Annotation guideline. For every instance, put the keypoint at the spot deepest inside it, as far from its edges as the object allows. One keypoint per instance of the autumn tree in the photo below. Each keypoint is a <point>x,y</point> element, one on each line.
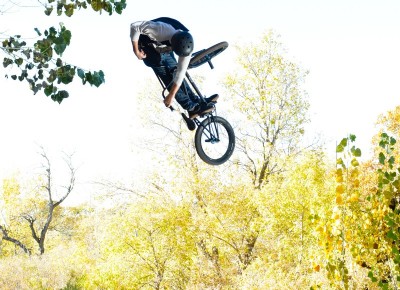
<point>359,234</point>
<point>267,89</point>
<point>31,213</point>
<point>388,123</point>
<point>153,238</point>
<point>40,64</point>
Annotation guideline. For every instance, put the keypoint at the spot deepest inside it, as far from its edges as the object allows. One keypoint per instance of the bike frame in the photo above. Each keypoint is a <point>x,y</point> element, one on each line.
<point>208,130</point>
<point>212,129</point>
<point>183,86</point>
<point>185,90</point>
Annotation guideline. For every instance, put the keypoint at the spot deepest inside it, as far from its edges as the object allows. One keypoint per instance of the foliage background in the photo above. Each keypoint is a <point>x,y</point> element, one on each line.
<point>159,218</point>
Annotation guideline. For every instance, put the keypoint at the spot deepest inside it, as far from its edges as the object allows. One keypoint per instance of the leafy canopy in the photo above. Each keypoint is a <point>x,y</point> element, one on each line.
<point>41,64</point>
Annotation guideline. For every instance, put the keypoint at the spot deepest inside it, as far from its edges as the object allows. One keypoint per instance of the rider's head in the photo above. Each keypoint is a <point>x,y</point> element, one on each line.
<point>182,43</point>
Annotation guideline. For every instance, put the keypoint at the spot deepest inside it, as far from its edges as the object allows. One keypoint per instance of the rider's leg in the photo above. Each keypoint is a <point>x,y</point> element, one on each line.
<point>185,90</point>
<point>183,99</point>
<point>185,94</point>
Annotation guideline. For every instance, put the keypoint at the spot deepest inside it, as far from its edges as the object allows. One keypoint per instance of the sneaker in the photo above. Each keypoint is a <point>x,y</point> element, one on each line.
<point>201,109</point>
<point>212,99</point>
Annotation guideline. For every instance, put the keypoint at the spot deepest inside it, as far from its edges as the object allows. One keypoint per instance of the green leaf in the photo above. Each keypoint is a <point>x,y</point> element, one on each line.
<point>69,10</point>
<point>27,52</point>
<point>108,7</point>
<point>344,142</point>
<point>392,235</point>
<point>352,137</point>
<point>371,275</point>
<point>52,76</point>
<point>66,35</point>
<point>59,62</point>
<point>96,5</point>
<point>96,78</point>
<point>38,31</point>
<point>342,145</point>
<point>48,11</point>
<point>356,152</point>
<point>49,90</point>
<point>354,162</point>
<point>29,66</point>
<point>60,96</point>
<point>339,148</point>
<point>81,73</point>
<point>390,223</point>
<point>7,62</point>
<point>99,76</point>
<point>340,161</point>
<point>382,158</point>
<point>119,6</point>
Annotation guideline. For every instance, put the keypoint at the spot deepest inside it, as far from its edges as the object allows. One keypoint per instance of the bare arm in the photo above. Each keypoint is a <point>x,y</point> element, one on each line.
<point>171,95</point>
<point>183,63</point>
<point>138,52</point>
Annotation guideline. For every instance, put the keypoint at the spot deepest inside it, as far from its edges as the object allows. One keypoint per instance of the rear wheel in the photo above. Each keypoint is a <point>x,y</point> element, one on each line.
<point>214,140</point>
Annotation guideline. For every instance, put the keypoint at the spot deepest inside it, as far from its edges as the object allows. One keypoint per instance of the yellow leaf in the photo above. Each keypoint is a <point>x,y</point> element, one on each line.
<point>339,199</point>
<point>340,189</point>
<point>319,229</point>
<point>354,197</point>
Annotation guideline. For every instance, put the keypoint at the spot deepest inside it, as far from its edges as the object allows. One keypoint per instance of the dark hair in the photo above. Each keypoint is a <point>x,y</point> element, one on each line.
<point>182,43</point>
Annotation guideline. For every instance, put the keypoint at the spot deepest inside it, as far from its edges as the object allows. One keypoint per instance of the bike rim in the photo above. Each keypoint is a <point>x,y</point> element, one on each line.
<point>215,140</point>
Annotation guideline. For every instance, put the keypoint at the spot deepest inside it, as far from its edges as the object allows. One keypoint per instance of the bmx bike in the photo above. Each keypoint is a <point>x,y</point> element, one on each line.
<point>214,138</point>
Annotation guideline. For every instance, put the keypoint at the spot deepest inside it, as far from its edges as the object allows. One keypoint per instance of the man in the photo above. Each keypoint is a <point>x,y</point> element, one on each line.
<point>152,42</point>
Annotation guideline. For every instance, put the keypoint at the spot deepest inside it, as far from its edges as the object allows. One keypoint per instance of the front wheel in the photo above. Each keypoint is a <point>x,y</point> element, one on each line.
<point>214,140</point>
<point>205,55</point>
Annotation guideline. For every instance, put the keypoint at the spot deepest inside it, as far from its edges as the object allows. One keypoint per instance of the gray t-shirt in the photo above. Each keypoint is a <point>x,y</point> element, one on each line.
<point>160,31</point>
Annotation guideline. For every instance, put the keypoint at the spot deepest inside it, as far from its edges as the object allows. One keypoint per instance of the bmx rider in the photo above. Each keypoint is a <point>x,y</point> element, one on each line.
<point>155,42</point>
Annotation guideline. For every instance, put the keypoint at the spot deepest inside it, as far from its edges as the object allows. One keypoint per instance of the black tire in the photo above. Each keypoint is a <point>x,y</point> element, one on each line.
<point>206,55</point>
<point>214,140</point>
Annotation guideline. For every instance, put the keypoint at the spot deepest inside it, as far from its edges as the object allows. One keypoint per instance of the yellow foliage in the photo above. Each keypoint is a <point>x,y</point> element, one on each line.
<point>339,199</point>
<point>354,197</point>
<point>340,189</point>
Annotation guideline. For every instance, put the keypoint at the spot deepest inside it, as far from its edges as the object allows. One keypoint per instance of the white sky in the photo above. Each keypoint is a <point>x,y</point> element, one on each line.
<point>351,47</point>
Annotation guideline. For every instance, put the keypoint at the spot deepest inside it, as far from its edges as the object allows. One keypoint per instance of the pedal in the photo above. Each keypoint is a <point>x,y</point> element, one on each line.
<point>207,113</point>
<point>189,122</point>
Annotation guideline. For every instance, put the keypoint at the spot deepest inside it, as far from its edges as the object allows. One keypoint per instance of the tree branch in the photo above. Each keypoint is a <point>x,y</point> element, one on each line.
<point>18,243</point>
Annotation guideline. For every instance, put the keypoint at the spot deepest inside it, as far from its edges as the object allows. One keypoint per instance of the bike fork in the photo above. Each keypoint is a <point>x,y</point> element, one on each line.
<point>210,129</point>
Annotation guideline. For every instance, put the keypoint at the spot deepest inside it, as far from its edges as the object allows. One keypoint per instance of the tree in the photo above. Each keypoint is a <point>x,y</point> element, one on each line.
<point>228,225</point>
<point>30,215</point>
<point>389,123</point>
<point>268,91</point>
<point>360,233</point>
<point>151,237</point>
<point>40,64</point>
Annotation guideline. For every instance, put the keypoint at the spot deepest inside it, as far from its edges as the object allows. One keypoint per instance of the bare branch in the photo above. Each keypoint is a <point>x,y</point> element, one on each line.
<point>18,243</point>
